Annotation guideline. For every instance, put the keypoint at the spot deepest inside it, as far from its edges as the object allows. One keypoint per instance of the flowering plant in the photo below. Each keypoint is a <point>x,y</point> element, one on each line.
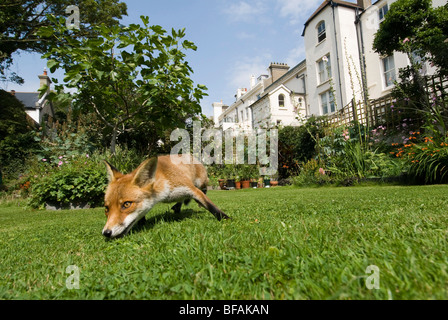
<point>426,155</point>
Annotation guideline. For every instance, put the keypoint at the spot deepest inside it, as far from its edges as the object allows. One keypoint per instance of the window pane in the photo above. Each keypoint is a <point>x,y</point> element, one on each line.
<point>321,71</point>
<point>323,98</point>
<point>324,69</point>
<point>382,12</point>
<point>332,105</point>
<point>281,100</point>
<point>321,34</point>
<point>389,70</point>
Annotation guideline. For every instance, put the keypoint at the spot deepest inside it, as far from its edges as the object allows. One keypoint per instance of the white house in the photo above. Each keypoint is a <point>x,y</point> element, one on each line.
<point>331,56</point>
<point>381,71</point>
<point>35,107</point>
<point>340,65</point>
<point>272,99</point>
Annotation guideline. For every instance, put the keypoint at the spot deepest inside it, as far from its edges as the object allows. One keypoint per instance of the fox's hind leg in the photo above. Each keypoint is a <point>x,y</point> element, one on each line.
<point>205,202</point>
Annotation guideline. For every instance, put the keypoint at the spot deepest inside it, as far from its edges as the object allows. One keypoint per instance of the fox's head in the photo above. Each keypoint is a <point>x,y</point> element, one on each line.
<point>128,197</point>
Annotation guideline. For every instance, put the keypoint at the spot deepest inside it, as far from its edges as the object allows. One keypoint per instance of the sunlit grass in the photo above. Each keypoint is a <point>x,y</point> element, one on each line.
<point>282,243</point>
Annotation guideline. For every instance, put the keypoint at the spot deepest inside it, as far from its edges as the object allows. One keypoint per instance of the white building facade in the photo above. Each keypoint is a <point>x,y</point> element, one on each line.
<point>272,99</point>
<point>340,66</point>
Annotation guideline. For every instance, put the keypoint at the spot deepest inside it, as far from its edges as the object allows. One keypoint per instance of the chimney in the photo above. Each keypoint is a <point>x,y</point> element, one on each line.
<point>13,92</point>
<point>217,111</point>
<point>364,4</point>
<point>44,80</point>
<point>252,81</point>
<point>277,70</point>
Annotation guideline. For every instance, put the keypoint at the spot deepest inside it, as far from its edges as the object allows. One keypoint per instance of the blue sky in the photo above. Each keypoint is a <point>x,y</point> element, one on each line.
<point>235,39</point>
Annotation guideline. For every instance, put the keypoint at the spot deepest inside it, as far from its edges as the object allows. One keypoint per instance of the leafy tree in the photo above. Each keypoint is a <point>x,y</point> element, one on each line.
<point>415,23</point>
<point>21,19</point>
<point>131,77</point>
<point>16,136</point>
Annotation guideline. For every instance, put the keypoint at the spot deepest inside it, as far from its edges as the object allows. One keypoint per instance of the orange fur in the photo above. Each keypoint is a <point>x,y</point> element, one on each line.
<point>130,196</point>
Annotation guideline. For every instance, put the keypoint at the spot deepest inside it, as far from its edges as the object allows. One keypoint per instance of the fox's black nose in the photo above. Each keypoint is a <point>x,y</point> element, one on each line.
<point>107,233</point>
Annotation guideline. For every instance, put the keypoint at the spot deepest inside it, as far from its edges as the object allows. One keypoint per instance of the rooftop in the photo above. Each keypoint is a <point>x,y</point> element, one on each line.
<point>333,3</point>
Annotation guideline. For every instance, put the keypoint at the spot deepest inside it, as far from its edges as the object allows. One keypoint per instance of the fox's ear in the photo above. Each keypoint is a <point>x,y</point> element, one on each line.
<point>112,172</point>
<point>145,173</point>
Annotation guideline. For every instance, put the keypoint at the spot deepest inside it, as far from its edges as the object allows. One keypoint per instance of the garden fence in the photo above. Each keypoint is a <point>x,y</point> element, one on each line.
<point>381,111</point>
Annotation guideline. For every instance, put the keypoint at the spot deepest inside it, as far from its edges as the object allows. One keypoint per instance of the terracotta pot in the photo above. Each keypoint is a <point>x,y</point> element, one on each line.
<point>274,183</point>
<point>237,184</point>
<point>245,184</point>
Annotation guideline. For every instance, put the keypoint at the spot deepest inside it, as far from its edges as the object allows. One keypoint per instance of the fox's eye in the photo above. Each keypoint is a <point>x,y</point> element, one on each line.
<point>127,204</point>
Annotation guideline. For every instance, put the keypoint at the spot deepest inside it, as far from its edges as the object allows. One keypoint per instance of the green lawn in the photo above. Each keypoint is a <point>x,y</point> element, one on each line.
<point>282,243</point>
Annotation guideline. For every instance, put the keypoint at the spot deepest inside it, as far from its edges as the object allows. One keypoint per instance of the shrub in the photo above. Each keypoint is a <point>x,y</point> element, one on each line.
<point>77,178</point>
<point>80,180</point>
<point>312,173</point>
<point>296,145</point>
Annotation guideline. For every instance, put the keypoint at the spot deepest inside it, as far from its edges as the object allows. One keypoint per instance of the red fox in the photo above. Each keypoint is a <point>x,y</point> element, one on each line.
<point>129,197</point>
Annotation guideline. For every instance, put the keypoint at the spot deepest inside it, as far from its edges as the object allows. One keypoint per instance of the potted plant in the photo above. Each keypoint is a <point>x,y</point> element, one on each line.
<point>266,182</point>
<point>237,173</point>
<point>245,176</point>
<point>230,174</point>
<point>274,181</point>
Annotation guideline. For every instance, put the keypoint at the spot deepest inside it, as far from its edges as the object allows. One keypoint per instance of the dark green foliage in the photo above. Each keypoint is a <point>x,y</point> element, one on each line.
<point>16,137</point>
<point>296,145</point>
<point>75,183</point>
<point>20,20</point>
<point>417,23</point>
<point>135,78</point>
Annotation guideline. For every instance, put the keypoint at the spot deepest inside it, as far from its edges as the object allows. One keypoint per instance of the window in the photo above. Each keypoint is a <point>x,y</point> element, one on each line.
<point>242,115</point>
<point>389,70</point>
<point>382,12</point>
<point>327,100</point>
<point>281,101</point>
<point>324,68</point>
<point>321,33</point>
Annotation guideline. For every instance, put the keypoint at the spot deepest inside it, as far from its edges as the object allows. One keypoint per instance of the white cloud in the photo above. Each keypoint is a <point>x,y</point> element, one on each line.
<point>296,55</point>
<point>243,11</point>
<point>243,69</point>
<point>297,11</point>
<point>243,35</point>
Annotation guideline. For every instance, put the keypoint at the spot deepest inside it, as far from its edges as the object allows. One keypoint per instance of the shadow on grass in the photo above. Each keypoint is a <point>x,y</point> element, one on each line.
<point>168,216</point>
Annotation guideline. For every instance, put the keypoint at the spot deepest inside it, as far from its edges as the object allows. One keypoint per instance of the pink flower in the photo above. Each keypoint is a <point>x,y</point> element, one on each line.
<point>60,163</point>
<point>44,160</point>
<point>60,157</point>
<point>406,40</point>
<point>87,156</point>
<point>321,171</point>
